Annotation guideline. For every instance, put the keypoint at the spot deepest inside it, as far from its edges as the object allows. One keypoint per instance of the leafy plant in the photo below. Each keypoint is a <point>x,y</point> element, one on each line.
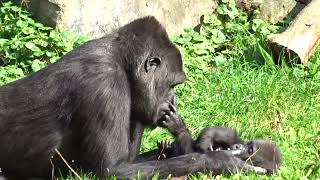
<point>27,46</point>
<point>222,37</point>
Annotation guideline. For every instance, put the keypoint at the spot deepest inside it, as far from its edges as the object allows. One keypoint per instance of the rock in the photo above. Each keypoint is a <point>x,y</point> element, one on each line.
<point>273,11</point>
<point>96,17</point>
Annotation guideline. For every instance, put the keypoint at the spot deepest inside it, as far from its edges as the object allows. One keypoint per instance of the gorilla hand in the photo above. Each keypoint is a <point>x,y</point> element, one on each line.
<point>172,121</point>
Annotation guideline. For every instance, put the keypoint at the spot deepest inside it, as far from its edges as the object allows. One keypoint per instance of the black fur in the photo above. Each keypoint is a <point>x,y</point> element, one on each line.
<point>213,138</point>
<point>93,105</point>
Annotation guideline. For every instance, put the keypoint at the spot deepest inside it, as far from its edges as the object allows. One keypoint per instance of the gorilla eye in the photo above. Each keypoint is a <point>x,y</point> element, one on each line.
<point>152,63</point>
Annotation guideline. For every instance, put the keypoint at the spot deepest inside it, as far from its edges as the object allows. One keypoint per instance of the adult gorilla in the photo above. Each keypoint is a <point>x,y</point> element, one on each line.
<point>92,106</point>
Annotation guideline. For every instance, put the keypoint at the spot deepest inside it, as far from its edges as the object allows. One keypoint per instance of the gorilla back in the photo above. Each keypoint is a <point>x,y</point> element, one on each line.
<point>93,104</point>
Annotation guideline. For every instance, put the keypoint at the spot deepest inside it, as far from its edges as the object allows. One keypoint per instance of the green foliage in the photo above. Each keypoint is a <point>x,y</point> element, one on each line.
<point>222,37</point>
<point>27,46</point>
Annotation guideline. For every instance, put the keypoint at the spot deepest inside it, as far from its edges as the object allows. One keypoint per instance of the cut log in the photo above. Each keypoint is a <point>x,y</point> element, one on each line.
<point>300,39</point>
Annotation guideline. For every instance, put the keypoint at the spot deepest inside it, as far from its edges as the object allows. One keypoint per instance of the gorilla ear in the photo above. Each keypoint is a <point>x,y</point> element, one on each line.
<point>152,63</point>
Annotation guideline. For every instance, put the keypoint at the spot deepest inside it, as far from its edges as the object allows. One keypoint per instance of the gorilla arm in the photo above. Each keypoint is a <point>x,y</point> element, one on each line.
<point>217,161</point>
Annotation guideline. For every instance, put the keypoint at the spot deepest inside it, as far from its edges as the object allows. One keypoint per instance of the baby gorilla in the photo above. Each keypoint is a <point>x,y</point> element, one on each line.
<point>258,153</point>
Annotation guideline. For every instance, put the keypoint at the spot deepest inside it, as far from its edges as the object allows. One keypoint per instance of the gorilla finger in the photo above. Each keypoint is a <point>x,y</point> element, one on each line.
<point>172,107</point>
<point>165,123</point>
<point>161,113</point>
<point>174,101</point>
<point>168,112</point>
<point>164,156</point>
<point>167,143</point>
<point>259,170</point>
<point>164,107</point>
<point>165,118</point>
<point>256,169</point>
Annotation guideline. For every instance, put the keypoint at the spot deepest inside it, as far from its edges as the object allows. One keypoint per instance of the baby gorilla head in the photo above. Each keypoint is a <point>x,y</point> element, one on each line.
<point>261,153</point>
